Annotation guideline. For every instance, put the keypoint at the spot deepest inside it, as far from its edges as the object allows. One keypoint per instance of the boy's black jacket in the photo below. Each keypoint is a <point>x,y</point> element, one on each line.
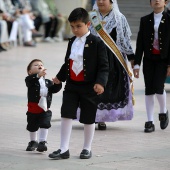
<point>34,89</point>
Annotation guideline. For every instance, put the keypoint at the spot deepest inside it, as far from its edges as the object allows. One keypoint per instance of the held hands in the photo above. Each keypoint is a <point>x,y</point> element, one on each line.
<point>136,73</point>
<point>99,89</point>
<point>42,73</point>
<point>56,81</point>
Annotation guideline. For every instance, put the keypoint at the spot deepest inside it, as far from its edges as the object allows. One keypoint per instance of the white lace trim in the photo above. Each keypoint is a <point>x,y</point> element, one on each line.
<point>115,19</point>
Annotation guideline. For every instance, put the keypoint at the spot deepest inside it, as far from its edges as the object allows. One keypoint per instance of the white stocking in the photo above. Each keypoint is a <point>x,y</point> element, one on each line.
<point>43,134</point>
<point>88,136</point>
<point>149,102</point>
<point>33,136</point>
<point>162,102</point>
<point>66,127</point>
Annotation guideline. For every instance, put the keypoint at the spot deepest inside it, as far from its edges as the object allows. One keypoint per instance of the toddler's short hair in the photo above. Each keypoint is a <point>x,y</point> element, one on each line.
<point>30,64</point>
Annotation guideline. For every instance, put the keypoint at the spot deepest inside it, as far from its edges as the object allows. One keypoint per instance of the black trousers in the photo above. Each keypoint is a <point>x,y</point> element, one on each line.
<point>83,96</point>
<point>36,121</point>
<point>38,22</point>
<point>154,70</point>
<point>51,27</point>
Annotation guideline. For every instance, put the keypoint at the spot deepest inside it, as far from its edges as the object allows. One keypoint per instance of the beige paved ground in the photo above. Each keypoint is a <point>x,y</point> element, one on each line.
<point>123,146</point>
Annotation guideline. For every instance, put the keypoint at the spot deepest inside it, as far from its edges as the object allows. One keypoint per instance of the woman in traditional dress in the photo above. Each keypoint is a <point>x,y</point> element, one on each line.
<point>116,102</point>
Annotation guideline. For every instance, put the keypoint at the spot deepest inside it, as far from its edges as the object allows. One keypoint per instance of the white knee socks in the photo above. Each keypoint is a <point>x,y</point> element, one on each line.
<point>66,127</point>
<point>42,135</point>
<point>33,136</point>
<point>88,136</point>
<point>162,102</point>
<point>149,102</point>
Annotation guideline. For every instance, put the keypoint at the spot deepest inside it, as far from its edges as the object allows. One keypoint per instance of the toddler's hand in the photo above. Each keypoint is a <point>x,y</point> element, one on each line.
<point>56,81</point>
<point>42,73</point>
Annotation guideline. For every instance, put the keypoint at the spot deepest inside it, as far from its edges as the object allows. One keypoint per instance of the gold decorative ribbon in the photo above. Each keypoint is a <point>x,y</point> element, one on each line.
<point>111,45</point>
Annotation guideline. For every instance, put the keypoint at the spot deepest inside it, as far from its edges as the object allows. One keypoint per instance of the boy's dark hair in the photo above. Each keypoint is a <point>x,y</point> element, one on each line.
<point>79,14</point>
<point>30,64</point>
<point>111,1</point>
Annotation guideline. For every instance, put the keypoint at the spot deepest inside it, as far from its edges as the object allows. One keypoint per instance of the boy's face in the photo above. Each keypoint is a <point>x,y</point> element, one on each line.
<point>79,28</point>
<point>36,67</point>
<point>158,4</point>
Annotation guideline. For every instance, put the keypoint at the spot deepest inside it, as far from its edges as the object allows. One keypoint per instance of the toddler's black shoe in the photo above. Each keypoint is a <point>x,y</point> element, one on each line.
<point>149,127</point>
<point>164,120</point>
<point>85,154</point>
<point>101,126</point>
<point>32,145</point>
<point>58,155</point>
<point>42,147</point>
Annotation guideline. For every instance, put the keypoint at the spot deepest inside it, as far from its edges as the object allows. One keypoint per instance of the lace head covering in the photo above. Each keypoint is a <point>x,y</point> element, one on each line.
<point>115,19</point>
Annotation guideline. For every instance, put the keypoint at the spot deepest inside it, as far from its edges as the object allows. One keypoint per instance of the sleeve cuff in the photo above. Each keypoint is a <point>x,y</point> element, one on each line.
<point>136,66</point>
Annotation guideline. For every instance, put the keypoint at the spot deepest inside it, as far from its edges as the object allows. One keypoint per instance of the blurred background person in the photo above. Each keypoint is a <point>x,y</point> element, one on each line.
<point>48,19</point>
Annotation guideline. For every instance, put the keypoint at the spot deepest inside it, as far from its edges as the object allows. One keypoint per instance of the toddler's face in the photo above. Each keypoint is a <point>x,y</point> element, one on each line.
<point>36,67</point>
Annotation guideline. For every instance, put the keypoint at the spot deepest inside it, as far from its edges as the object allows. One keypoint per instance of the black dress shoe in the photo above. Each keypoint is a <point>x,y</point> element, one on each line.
<point>101,126</point>
<point>2,49</point>
<point>58,155</point>
<point>85,154</point>
<point>149,127</point>
<point>30,44</point>
<point>164,120</point>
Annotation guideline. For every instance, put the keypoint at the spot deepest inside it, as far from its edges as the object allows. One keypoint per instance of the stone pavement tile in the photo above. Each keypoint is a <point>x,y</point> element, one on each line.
<point>123,146</point>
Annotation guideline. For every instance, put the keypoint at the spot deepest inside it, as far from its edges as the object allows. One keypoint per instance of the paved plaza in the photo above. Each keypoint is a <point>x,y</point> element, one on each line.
<point>123,146</point>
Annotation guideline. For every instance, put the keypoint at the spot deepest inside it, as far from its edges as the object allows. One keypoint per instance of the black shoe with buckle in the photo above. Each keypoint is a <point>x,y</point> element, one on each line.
<point>58,155</point>
<point>149,127</point>
<point>85,154</point>
<point>42,147</point>
<point>164,120</point>
<point>101,126</point>
<point>32,145</point>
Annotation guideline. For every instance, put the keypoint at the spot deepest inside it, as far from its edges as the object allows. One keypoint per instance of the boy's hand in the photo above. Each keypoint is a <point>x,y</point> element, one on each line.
<point>56,80</point>
<point>168,71</point>
<point>99,89</point>
<point>136,73</point>
<point>42,73</point>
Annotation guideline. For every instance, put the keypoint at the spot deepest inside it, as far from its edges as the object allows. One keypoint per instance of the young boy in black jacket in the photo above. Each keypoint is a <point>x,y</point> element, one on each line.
<point>154,42</point>
<point>85,71</point>
<point>39,94</point>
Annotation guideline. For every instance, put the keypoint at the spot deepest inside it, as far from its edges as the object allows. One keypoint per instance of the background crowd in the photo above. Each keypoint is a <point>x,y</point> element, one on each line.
<point>24,20</point>
<point>21,21</point>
